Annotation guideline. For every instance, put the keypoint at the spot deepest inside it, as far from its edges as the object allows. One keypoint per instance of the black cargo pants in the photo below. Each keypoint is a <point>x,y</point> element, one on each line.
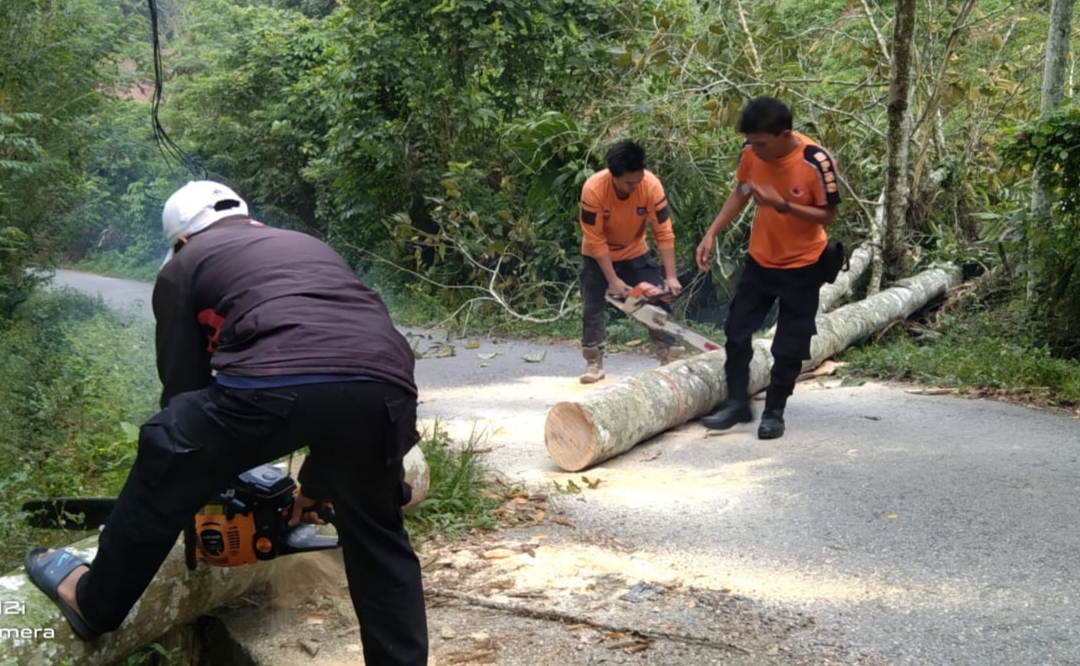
<point>358,433</point>
<point>797,290</point>
<point>593,302</point>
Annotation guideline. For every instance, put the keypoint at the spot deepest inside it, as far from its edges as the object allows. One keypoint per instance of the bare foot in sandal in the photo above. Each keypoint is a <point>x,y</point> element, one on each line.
<point>57,573</point>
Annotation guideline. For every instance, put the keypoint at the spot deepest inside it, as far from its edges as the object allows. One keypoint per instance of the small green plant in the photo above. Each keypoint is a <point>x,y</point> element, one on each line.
<point>156,654</point>
<point>460,497</point>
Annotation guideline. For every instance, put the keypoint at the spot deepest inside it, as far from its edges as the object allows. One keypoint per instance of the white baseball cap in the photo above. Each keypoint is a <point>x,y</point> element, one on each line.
<point>195,207</point>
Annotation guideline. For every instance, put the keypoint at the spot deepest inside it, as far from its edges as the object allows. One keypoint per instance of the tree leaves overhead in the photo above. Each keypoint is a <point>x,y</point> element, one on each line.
<point>58,64</point>
<point>451,137</point>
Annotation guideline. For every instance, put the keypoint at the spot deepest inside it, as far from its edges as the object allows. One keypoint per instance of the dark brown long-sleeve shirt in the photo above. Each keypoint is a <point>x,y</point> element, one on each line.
<point>248,300</point>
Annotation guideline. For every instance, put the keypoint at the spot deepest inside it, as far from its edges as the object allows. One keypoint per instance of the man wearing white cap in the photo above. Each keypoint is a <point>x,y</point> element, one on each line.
<point>266,342</point>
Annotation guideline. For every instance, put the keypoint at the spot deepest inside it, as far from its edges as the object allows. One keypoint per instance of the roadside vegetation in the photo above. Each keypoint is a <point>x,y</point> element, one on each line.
<point>77,382</point>
<point>991,353</point>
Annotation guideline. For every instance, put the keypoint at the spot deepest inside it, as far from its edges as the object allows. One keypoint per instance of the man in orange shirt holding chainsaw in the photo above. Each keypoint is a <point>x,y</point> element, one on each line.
<point>616,205</point>
<point>794,184</point>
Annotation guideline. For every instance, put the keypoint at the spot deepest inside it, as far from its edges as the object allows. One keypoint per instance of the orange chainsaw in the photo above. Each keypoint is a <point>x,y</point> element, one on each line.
<point>247,523</point>
<point>643,304</point>
<point>250,522</point>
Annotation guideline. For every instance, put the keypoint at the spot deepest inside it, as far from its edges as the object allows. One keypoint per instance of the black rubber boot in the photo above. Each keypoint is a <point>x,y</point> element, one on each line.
<point>772,424</point>
<point>730,413</point>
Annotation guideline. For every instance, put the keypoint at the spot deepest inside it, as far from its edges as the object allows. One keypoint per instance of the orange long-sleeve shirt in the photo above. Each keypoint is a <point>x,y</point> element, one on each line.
<point>617,226</point>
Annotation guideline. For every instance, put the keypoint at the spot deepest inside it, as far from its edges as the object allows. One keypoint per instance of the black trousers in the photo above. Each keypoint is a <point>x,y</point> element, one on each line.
<point>358,433</point>
<point>594,304</point>
<point>758,288</point>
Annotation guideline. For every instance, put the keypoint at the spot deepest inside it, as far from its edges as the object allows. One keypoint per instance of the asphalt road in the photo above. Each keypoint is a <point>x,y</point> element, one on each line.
<point>921,529</point>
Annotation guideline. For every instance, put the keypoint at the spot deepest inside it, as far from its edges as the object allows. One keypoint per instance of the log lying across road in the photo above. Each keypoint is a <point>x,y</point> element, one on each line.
<point>613,419</point>
<point>33,632</point>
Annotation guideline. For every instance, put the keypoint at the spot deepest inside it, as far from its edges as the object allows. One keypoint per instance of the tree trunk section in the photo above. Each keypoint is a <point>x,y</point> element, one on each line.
<point>1057,54</point>
<point>877,242</point>
<point>613,419</point>
<point>898,134</point>
<point>33,631</point>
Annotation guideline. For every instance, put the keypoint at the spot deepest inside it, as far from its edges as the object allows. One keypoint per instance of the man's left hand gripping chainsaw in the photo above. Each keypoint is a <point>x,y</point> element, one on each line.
<point>247,523</point>
<point>643,304</point>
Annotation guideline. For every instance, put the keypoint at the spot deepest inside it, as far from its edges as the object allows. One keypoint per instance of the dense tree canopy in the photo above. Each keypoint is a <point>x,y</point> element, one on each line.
<point>450,138</point>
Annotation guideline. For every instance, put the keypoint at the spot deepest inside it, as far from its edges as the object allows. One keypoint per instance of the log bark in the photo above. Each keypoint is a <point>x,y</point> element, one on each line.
<point>877,243</point>
<point>613,419</point>
<point>37,634</point>
<point>33,631</point>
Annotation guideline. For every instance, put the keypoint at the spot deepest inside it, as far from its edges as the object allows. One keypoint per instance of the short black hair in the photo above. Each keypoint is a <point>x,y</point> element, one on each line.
<point>624,157</point>
<point>764,114</point>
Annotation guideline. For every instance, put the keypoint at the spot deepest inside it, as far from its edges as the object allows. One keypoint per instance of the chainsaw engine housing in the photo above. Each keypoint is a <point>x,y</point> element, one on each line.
<point>249,523</point>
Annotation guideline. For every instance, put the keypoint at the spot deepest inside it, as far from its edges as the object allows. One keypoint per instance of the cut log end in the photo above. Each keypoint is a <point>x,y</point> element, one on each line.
<point>571,436</point>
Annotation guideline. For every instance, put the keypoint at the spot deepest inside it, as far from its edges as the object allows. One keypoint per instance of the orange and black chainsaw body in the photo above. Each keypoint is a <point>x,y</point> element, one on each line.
<point>249,522</point>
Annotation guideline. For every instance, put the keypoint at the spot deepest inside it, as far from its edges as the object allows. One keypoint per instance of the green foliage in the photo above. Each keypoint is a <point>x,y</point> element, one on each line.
<point>16,280</point>
<point>240,108</point>
<point>991,351</point>
<point>1052,139</point>
<point>324,121</point>
<point>123,264</point>
<point>486,65</point>
<point>157,654</point>
<point>56,70</point>
<point>121,195</point>
<point>480,240</point>
<point>75,380</point>
<point>1051,146</point>
<point>459,496</point>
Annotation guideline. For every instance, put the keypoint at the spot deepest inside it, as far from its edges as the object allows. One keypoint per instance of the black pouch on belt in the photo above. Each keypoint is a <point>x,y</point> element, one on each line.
<point>832,261</point>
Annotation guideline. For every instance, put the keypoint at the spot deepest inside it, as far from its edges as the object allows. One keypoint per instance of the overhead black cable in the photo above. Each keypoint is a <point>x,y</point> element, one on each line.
<point>169,150</point>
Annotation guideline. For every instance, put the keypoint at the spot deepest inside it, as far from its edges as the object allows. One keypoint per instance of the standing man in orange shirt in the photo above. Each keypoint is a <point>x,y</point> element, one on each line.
<point>616,204</point>
<point>793,182</point>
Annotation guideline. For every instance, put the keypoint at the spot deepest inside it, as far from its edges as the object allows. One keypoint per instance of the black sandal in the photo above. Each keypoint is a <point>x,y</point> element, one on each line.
<point>47,569</point>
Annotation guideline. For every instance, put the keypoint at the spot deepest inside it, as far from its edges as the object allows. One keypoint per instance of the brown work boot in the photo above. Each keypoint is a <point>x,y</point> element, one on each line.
<point>669,354</point>
<point>594,372</point>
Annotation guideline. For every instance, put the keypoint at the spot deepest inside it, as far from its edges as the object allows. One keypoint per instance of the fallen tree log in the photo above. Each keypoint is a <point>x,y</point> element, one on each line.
<point>613,419</point>
<point>33,631</point>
